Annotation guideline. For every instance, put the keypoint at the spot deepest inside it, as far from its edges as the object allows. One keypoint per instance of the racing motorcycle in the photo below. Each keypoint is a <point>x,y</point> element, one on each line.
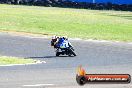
<point>65,51</point>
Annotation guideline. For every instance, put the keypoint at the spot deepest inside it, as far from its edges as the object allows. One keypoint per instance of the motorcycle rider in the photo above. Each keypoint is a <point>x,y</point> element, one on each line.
<point>54,41</point>
<point>60,42</point>
<point>62,46</point>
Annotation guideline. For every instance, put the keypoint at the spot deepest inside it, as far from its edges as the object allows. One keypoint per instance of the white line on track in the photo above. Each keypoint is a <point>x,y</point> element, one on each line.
<point>37,62</point>
<point>37,85</point>
<point>17,64</point>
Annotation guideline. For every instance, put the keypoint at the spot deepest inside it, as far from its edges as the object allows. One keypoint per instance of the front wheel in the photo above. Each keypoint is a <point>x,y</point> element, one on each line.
<point>72,52</point>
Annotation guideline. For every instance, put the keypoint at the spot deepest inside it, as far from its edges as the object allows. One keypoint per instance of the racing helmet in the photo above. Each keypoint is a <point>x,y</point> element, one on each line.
<point>54,37</point>
<point>65,37</point>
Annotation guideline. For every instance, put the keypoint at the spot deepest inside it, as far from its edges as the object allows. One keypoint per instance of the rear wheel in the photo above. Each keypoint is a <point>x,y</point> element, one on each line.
<point>57,53</point>
<point>69,55</point>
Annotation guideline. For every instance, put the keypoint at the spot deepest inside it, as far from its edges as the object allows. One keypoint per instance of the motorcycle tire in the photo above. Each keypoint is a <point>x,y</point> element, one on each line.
<point>57,54</point>
<point>73,52</point>
<point>69,55</point>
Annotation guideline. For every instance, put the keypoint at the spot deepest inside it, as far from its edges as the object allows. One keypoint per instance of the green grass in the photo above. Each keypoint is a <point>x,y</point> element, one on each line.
<point>80,23</point>
<point>4,60</point>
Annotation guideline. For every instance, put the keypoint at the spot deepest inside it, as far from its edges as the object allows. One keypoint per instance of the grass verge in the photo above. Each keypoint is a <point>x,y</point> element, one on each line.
<point>4,60</point>
<point>75,23</point>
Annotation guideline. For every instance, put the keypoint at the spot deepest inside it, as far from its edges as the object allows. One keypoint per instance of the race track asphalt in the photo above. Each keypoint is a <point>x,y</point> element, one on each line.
<point>60,72</point>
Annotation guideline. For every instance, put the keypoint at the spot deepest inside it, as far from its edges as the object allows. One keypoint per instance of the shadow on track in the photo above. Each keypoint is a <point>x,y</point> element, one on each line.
<point>42,57</point>
<point>46,57</point>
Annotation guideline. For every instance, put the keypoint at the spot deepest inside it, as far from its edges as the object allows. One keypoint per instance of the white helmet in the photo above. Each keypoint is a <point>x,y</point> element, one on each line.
<point>54,37</point>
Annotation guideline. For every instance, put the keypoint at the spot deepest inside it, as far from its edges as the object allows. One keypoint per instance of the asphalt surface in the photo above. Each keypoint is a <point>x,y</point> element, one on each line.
<point>60,72</point>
